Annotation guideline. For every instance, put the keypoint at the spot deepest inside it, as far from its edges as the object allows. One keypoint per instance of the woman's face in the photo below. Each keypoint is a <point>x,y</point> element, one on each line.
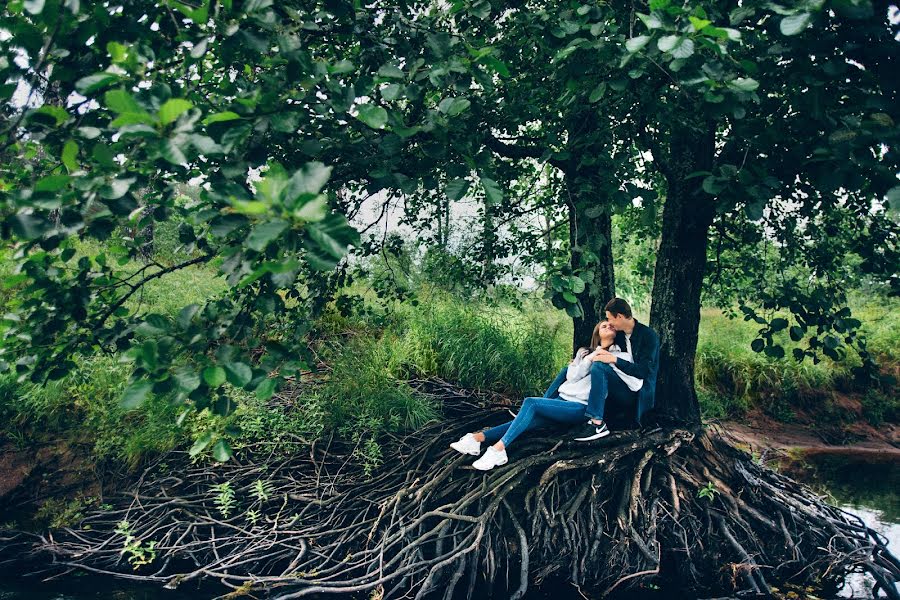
<point>607,333</point>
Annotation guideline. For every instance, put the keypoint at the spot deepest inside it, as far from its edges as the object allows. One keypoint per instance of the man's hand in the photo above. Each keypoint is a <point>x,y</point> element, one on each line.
<point>605,357</point>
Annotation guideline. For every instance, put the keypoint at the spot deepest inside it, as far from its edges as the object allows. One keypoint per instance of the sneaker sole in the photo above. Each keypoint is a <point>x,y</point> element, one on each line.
<point>476,453</point>
<point>596,436</point>
<point>489,468</point>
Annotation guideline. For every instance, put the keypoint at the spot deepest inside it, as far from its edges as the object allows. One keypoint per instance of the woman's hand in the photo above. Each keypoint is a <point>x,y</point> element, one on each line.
<point>604,357</point>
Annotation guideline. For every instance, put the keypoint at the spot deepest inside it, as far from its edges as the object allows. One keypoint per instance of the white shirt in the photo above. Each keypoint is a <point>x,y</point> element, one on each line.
<point>577,386</point>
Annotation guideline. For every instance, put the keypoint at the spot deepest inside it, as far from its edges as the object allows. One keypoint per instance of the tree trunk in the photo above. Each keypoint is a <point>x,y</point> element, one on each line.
<point>590,235</point>
<point>488,247</point>
<point>678,278</point>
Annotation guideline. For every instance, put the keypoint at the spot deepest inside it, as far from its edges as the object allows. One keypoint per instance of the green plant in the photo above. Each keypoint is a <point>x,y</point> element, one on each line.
<point>58,512</point>
<point>708,491</point>
<point>262,490</point>
<point>224,499</point>
<point>138,553</point>
<point>879,407</point>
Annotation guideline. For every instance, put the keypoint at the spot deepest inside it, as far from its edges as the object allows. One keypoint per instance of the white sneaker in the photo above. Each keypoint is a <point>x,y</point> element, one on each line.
<point>467,444</point>
<point>492,458</point>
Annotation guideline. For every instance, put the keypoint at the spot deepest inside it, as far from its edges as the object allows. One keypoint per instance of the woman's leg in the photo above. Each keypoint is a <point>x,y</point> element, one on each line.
<point>536,412</point>
<point>493,434</point>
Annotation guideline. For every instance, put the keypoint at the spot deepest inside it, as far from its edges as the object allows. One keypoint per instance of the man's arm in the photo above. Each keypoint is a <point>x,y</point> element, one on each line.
<point>642,369</point>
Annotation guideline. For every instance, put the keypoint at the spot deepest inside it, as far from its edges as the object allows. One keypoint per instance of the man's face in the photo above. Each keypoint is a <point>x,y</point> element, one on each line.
<point>616,321</point>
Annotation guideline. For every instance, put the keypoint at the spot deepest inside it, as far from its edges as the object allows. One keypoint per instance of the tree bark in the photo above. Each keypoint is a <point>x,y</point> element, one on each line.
<point>590,232</point>
<point>680,266</point>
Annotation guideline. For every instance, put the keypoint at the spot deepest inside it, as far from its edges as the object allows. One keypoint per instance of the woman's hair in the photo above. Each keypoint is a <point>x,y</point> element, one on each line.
<point>619,340</point>
<point>595,336</point>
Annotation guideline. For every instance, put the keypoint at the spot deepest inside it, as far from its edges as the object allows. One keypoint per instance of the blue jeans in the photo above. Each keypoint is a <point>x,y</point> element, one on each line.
<point>535,413</point>
<point>607,386</point>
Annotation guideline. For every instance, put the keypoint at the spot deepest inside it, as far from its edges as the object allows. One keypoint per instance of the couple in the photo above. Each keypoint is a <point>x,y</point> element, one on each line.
<point>618,372</point>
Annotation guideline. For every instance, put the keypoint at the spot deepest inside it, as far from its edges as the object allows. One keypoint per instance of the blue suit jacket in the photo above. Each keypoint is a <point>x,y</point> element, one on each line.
<point>645,351</point>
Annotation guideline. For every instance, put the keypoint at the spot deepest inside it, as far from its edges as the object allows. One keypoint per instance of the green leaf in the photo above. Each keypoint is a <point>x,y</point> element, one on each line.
<point>776,352</point>
<point>796,333</point>
<point>202,442</point>
<point>391,92</point>
<point>221,451</point>
<point>221,117</point>
<point>598,92</point>
<point>238,374</point>
<point>453,106</point>
<point>757,345</point>
<point>92,83</point>
<point>391,72</point>
<point>305,184</point>
<point>186,315</point>
<point>172,109</point>
<point>264,233</point>
<point>685,49</point>
<point>372,115</point>
<point>52,183</point>
<point>652,21</point>
<point>744,84</point>
<point>492,192</point>
<point>266,389</point>
<point>135,394</point>
<point>27,226</point>
<point>457,188</point>
<point>70,156</point>
<point>198,15</point>
<point>120,101</point>
<point>214,376</point>
<point>328,241</point>
<point>171,150</point>
<point>313,210</point>
<point>778,324</point>
<point>698,24</point>
<point>794,24</point>
<point>187,379</point>
<point>635,44</point>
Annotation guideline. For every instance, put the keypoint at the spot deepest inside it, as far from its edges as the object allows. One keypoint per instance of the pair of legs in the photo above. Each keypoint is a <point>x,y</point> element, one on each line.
<point>535,413</point>
<point>608,391</point>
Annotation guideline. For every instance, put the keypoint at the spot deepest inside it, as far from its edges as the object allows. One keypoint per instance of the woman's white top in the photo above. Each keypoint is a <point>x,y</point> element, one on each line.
<point>577,386</point>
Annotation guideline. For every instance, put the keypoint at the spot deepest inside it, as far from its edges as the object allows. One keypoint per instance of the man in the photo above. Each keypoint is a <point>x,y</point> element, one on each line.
<point>635,394</point>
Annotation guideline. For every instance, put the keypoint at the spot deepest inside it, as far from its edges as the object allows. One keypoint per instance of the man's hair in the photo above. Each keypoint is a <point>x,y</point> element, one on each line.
<point>618,306</point>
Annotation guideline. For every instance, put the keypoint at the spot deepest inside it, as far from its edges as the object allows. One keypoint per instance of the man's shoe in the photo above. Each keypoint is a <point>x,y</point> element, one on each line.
<point>467,444</point>
<point>492,458</point>
<point>591,431</point>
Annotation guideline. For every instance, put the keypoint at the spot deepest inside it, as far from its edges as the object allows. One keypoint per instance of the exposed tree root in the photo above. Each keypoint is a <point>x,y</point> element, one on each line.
<point>607,516</point>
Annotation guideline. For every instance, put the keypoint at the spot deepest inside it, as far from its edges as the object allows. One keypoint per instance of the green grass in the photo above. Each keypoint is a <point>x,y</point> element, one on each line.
<point>85,406</point>
<point>514,348</point>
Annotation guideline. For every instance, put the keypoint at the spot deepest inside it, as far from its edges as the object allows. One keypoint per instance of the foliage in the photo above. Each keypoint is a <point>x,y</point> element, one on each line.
<point>709,491</point>
<point>138,553</point>
<point>291,115</point>
<point>224,498</point>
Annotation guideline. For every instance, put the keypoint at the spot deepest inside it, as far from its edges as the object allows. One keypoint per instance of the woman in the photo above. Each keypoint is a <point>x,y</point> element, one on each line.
<point>568,409</point>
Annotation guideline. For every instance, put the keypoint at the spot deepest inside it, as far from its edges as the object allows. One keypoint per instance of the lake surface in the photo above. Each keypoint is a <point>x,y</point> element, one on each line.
<point>866,485</point>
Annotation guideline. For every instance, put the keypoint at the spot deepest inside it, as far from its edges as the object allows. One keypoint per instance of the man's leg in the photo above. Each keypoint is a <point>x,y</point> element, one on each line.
<point>601,375</point>
<point>620,399</point>
<point>560,379</point>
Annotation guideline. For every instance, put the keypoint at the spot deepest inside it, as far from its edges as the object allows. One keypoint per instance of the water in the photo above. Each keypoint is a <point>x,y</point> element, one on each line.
<point>867,485</point>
